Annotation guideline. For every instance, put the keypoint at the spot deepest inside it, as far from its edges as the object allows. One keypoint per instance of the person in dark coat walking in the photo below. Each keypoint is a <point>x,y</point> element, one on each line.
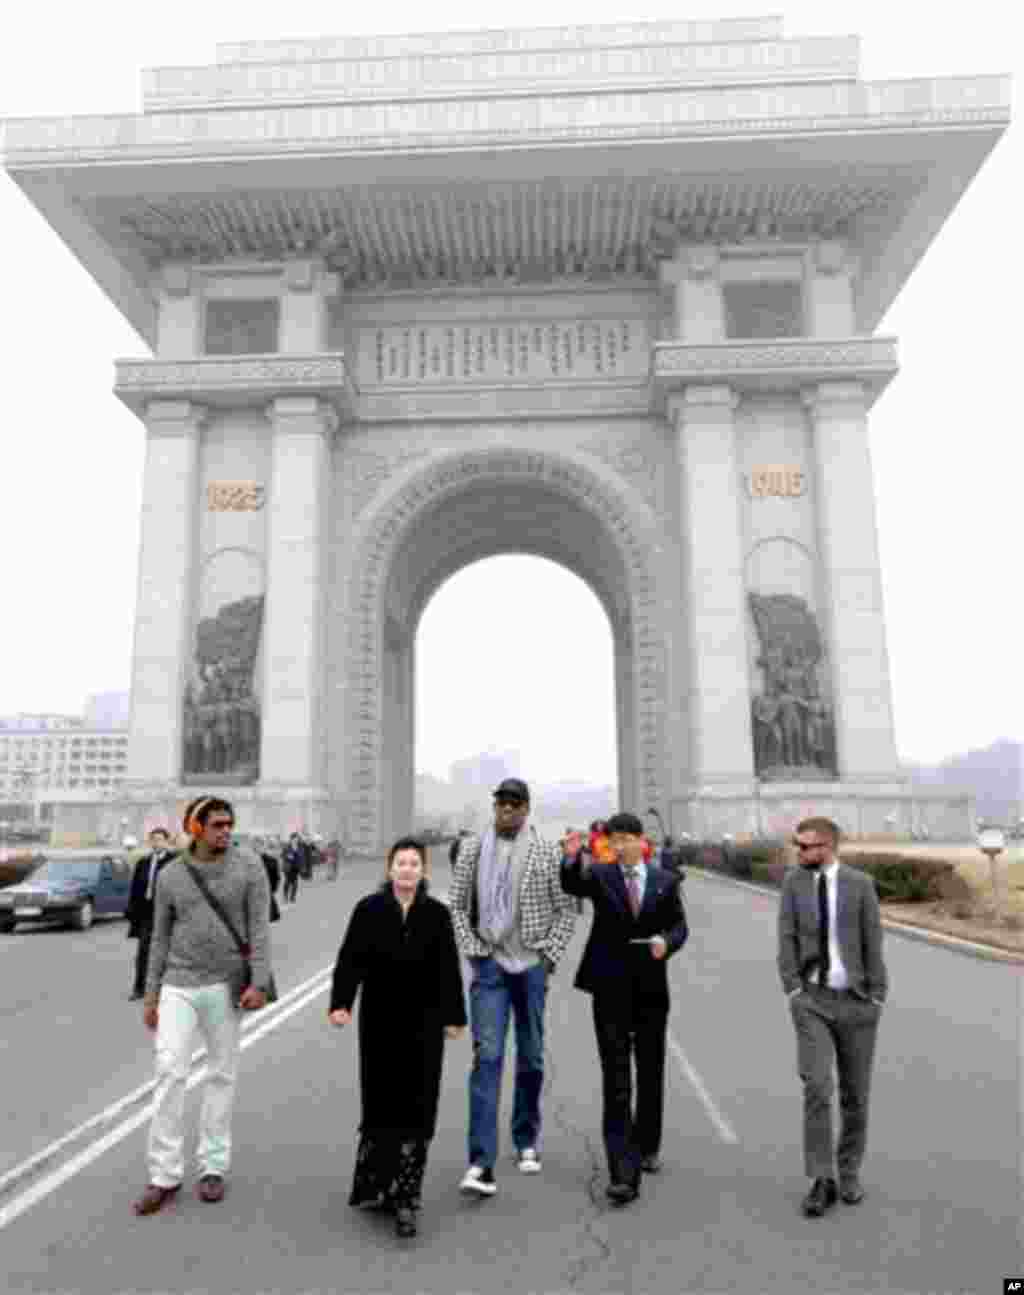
<point>638,924</point>
<point>294,860</point>
<point>140,903</point>
<point>400,951</point>
<point>273,871</point>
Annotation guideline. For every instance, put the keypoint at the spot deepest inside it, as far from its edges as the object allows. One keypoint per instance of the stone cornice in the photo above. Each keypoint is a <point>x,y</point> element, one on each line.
<point>502,73</point>
<point>475,41</point>
<point>783,364</point>
<point>515,123</point>
<point>234,381</point>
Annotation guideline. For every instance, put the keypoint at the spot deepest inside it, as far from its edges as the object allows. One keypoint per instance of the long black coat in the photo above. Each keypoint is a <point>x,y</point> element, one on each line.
<point>411,984</point>
<point>611,965</point>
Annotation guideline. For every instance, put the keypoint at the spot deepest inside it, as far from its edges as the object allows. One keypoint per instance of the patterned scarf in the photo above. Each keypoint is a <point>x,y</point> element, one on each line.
<point>494,884</point>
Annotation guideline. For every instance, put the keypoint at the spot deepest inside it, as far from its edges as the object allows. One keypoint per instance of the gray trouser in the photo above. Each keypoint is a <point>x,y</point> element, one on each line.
<point>831,1023</point>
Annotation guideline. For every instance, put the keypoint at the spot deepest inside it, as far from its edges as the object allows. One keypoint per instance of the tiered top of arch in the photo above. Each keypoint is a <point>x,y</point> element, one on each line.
<point>508,158</point>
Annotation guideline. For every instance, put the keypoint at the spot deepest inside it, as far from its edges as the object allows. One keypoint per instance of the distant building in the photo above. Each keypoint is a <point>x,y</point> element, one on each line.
<point>56,757</point>
<point>486,770</point>
<point>108,710</point>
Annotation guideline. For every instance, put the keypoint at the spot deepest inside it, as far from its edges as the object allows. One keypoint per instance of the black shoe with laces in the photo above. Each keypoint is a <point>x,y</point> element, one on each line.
<point>820,1198</point>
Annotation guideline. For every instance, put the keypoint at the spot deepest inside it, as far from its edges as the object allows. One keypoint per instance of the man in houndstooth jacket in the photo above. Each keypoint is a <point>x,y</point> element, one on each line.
<point>513,922</point>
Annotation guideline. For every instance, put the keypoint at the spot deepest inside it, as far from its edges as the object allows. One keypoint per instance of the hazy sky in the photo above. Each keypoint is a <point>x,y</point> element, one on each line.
<point>947,436</point>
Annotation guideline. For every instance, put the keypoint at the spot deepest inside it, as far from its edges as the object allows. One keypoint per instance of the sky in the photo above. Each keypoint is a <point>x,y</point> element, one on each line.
<point>946,436</point>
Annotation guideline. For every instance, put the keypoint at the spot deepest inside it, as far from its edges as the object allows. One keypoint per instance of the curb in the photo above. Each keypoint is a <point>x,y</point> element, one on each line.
<point>983,952</point>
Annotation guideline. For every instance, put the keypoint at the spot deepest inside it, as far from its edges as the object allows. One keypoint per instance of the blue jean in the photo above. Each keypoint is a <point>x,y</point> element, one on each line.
<point>494,994</point>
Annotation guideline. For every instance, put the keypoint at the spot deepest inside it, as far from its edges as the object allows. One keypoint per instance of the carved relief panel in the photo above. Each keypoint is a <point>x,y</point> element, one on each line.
<point>221,713</point>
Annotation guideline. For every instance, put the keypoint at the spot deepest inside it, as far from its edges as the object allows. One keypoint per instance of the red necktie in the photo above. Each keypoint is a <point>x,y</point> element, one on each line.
<point>633,889</point>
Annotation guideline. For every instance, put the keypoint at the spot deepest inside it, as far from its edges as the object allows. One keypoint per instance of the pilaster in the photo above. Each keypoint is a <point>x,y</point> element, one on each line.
<point>692,276</point>
<point>163,617</point>
<point>305,289</point>
<point>296,573</point>
<point>852,584</point>
<point>829,291</point>
<point>719,698</point>
<point>178,313</point>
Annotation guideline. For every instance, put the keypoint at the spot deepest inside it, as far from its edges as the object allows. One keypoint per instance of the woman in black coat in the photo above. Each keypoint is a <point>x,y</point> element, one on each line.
<point>400,949</point>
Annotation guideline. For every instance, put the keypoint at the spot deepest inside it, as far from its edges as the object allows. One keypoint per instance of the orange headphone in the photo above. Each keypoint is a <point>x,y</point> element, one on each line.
<point>192,824</point>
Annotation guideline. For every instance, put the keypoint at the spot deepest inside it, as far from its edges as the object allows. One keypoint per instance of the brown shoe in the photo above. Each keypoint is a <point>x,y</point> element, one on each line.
<point>154,1198</point>
<point>211,1188</point>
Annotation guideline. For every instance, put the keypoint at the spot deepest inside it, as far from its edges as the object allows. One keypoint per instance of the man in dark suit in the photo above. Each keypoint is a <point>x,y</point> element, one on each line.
<point>638,924</point>
<point>832,971</point>
<point>140,903</point>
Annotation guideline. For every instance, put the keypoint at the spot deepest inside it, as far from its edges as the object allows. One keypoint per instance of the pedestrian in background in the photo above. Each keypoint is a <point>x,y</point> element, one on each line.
<point>140,903</point>
<point>513,922</point>
<point>294,859</point>
<point>399,954</point>
<point>199,983</point>
<point>833,973</point>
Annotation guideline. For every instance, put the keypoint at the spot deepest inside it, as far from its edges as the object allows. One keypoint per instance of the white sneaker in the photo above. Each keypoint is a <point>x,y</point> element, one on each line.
<point>529,1161</point>
<point>478,1181</point>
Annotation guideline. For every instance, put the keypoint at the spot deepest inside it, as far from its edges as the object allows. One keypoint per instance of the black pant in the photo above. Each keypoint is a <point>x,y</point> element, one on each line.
<point>630,1030</point>
<point>291,885</point>
<point>142,958</point>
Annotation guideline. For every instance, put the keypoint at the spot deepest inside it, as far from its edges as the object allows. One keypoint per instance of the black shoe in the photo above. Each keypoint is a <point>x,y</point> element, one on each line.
<point>651,1164</point>
<point>621,1193</point>
<point>405,1223</point>
<point>820,1198</point>
<point>850,1191</point>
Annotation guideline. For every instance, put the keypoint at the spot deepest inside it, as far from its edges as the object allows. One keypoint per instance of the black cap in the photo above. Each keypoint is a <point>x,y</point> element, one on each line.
<point>514,789</point>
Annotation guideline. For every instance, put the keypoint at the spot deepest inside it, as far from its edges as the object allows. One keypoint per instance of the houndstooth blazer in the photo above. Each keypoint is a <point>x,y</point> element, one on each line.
<point>547,915</point>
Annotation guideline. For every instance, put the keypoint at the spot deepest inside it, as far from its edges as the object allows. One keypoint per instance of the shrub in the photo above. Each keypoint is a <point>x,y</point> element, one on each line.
<point>903,878</point>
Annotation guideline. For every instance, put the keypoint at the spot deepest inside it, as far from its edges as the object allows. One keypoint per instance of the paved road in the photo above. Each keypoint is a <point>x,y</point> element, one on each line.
<point>942,1213</point>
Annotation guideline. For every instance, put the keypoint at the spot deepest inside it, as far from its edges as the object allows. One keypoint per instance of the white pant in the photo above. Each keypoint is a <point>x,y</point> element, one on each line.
<point>208,1011</point>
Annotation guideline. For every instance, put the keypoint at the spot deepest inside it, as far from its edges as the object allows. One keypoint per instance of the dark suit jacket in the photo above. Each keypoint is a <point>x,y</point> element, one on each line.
<point>610,963</point>
<point>859,930</point>
<point>140,909</point>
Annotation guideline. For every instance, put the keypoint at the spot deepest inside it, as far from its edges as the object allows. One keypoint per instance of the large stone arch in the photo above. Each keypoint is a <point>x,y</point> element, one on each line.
<point>431,524</point>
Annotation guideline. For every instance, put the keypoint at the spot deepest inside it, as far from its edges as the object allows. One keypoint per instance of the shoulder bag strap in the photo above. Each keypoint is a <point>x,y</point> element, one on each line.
<point>217,907</point>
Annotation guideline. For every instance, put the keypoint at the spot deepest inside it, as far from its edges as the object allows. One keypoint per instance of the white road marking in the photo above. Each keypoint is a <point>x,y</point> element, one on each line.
<point>722,1126</point>
<point>253,1027</point>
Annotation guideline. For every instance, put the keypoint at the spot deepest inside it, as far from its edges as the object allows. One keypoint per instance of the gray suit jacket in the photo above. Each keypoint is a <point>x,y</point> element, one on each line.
<point>859,923</point>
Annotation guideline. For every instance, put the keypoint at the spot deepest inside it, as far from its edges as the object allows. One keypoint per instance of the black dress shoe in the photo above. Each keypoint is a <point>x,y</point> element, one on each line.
<point>820,1198</point>
<point>621,1193</point>
<point>850,1191</point>
<point>651,1164</point>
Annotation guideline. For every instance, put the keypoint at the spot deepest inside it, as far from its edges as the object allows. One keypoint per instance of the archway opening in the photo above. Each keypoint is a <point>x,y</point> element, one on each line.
<point>514,676</point>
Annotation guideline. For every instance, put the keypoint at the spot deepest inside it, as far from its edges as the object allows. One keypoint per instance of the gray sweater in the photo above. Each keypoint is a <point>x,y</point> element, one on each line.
<point>191,945</point>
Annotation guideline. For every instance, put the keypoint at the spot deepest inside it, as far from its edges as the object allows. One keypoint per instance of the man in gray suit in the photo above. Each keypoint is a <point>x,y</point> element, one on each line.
<point>830,962</point>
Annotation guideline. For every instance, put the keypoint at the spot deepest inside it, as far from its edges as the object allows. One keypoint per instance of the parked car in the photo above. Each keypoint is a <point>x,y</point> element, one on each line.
<point>76,890</point>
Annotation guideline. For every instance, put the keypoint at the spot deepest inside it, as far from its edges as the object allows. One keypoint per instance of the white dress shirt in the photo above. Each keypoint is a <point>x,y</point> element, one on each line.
<point>837,975</point>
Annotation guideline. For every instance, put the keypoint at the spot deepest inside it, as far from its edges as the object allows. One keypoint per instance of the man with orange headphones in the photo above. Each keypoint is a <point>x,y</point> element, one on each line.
<point>209,961</point>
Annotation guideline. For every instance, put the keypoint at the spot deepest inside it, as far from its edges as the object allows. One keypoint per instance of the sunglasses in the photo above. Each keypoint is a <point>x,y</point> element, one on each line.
<point>505,802</point>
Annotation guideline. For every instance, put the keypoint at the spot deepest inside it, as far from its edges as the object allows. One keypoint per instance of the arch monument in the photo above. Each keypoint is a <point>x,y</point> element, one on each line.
<point>607,295</point>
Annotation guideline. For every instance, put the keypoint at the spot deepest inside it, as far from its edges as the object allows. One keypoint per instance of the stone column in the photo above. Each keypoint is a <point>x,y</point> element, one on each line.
<point>852,584</point>
<point>163,616</point>
<point>293,631</point>
<point>721,745</point>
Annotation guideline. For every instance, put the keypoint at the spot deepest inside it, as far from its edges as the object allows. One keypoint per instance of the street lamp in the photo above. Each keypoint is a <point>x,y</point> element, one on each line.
<point>992,842</point>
